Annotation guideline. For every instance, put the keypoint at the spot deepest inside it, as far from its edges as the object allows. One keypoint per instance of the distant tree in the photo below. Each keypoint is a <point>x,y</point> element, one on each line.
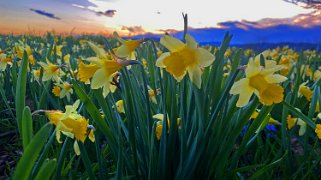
<point>314,4</point>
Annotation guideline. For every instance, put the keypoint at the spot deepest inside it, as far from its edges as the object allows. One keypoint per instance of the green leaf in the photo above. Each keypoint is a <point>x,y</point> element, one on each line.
<point>27,130</point>
<point>31,153</point>
<point>21,89</point>
<point>266,168</point>
<point>86,161</point>
<point>46,170</point>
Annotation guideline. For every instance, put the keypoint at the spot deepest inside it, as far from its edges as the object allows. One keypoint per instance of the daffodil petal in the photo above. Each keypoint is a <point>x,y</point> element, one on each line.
<point>106,89</point>
<point>119,38</point>
<point>94,60</point>
<point>238,86</point>
<point>190,41</point>
<point>98,79</point>
<point>99,51</point>
<point>159,117</point>
<point>58,136</point>
<point>123,51</point>
<point>275,78</point>
<point>160,60</point>
<point>91,136</point>
<point>195,74</point>
<point>244,96</point>
<point>251,69</point>
<point>205,57</point>
<point>171,43</point>
<point>76,148</point>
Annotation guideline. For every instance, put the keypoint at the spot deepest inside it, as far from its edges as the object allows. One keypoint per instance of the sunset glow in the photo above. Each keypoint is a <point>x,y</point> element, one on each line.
<point>135,17</point>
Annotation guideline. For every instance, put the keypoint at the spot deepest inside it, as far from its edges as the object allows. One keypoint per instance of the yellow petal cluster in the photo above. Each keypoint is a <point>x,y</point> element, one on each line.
<point>261,81</point>
<point>101,69</point>
<point>184,57</point>
<point>71,124</point>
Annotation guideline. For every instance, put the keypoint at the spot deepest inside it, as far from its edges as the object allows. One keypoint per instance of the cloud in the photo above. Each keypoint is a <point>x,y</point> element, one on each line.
<point>108,13</point>
<point>302,20</point>
<point>44,13</point>
<point>167,31</point>
<point>134,29</point>
<point>84,3</point>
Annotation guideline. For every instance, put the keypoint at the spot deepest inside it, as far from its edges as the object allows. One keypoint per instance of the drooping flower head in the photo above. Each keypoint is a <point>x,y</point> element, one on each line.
<point>127,47</point>
<point>159,124</point>
<point>184,58</point>
<point>71,124</point>
<point>305,91</point>
<point>293,121</point>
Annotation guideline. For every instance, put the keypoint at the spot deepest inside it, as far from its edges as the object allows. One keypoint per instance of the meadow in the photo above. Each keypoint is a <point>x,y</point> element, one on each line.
<point>91,107</point>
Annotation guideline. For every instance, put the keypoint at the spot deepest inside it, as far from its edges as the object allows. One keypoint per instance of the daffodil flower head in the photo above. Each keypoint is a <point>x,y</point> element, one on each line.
<point>71,124</point>
<point>56,90</point>
<point>102,69</point>
<point>128,46</point>
<point>152,97</point>
<point>305,91</point>
<point>71,111</point>
<point>293,121</point>
<point>184,58</point>
<point>318,130</point>
<point>4,61</point>
<point>36,74</point>
<point>271,121</point>
<point>51,71</point>
<point>159,124</point>
<point>262,82</point>
<point>120,106</point>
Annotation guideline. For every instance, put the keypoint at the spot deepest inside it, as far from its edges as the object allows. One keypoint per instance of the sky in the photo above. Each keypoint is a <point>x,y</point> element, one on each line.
<point>132,17</point>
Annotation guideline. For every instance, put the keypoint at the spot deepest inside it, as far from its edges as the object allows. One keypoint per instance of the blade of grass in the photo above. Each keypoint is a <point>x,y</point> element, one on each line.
<point>27,130</point>
<point>21,89</point>
<point>31,153</point>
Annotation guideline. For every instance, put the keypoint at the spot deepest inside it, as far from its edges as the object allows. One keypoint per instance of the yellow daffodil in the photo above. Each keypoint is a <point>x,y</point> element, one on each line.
<point>31,60</point>
<point>287,63</point>
<point>36,74</point>
<point>120,106</point>
<point>58,50</point>
<point>152,97</point>
<point>228,52</point>
<point>56,90</point>
<point>318,130</point>
<point>261,81</point>
<point>127,47</point>
<point>101,69</point>
<point>305,91</point>
<point>184,58</point>
<point>67,59</point>
<point>4,61</point>
<point>51,71</point>
<point>293,121</point>
<point>71,124</point>
<point>159,124</point>
<point>271,120</point>
<point>316,75</point>
<point>20,48</point>
<point>144,63</point>
<point>62,90</point>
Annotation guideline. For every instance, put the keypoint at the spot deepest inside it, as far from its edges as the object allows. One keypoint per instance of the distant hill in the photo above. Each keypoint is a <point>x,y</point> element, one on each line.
<point>247,35</point>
